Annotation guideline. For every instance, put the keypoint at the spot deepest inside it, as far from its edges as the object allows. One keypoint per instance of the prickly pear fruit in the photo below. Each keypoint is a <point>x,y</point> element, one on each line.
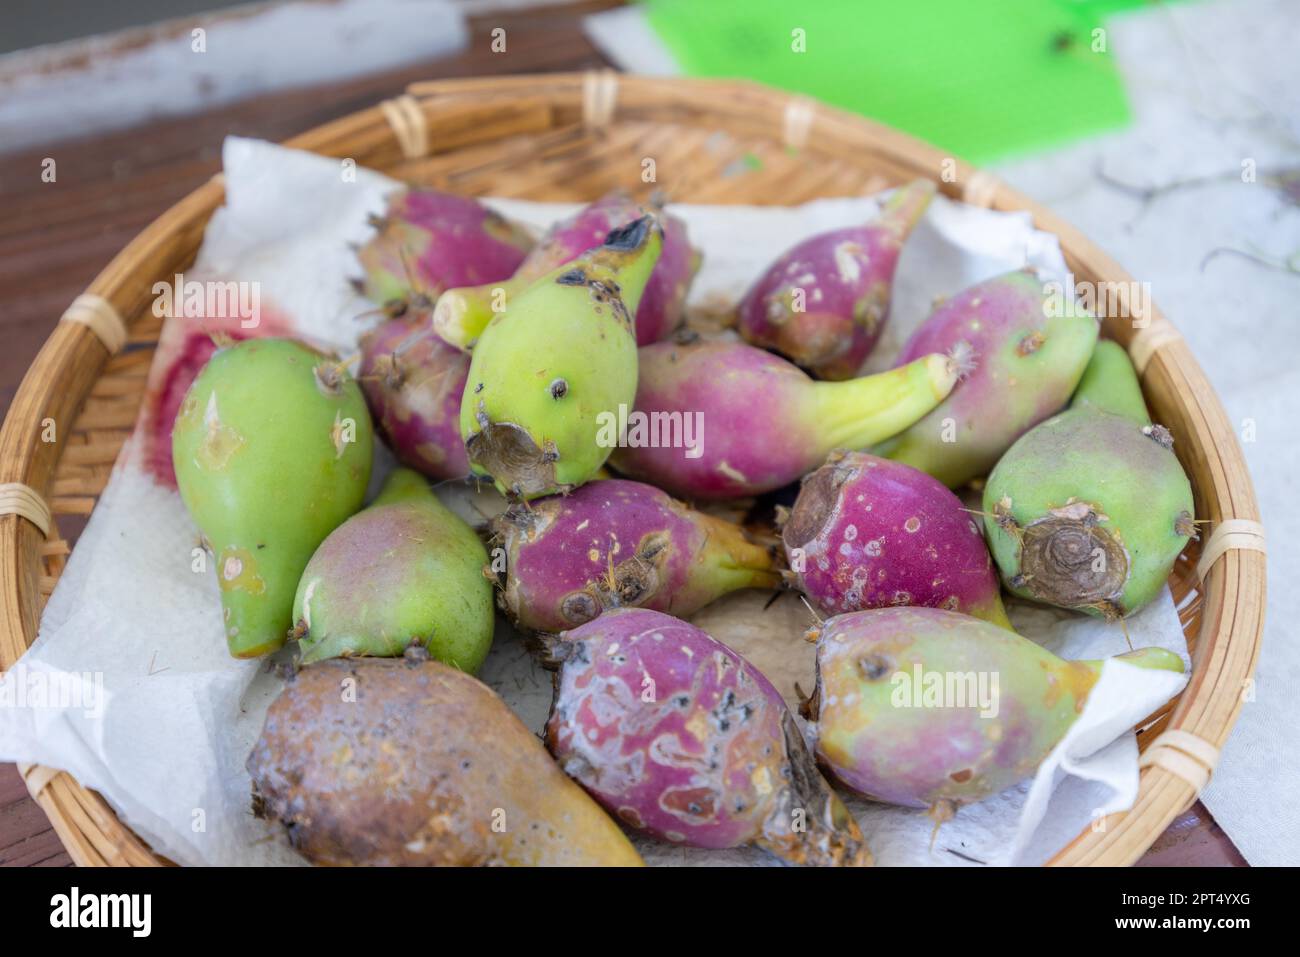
<point>1021,366</point>
<point>418,764</point>
<point>614,543</point>
<point>546,371</point>
<point>427,242</point>
<point>413,382</point>
<point>867,532</point>
<point>1110,384</point>
<point>403,570</point>
<point>824,302</point>
<point>272,449</point>
<point>462,314</point>
<point>750,422</point>
<point>1091,509</point>
<point>683,739</point>
<point>930,708</point>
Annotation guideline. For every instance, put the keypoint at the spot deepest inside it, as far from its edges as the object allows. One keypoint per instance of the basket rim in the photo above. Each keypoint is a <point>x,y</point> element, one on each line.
<point>481,109</point>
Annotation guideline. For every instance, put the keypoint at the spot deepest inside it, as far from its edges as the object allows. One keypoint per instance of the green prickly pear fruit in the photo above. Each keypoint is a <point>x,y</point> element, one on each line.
<point>1110,384</point>
<point>404,569</point>
<point>930,708</point>
<point>272,448</point>
<point>1090,509</point>
<point>559,358</point>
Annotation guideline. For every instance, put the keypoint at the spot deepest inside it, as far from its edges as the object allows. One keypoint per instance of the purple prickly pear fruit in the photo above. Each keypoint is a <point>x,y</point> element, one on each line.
<point>750,421</point>
<point>680,737</point>
<point>1022,361</point>
<point>930,708</point>
<point>428,241</point>
<point>614,543</point>
<point>1090,509</point>
<point>866,532</point>
<point>462,313</point>
<point>824,302</point>
<point>413,382</point>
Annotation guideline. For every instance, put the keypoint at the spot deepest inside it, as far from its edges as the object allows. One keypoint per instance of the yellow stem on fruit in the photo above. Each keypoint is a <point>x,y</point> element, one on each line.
<point>858,413</point>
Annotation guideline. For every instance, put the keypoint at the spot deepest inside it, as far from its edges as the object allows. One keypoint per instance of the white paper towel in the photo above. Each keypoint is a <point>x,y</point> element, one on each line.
<point>167,743</point>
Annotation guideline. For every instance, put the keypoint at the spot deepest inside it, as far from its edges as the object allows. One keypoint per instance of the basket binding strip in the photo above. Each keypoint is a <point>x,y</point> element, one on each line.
<point>571,137</point>
<point>99,316</point>
<point>17,499</point>
<point>1149,339</point>
<point>1227,535</point>
<point>409,126</point>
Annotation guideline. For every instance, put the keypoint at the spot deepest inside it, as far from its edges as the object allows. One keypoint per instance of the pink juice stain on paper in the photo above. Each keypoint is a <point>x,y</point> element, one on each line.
<point>186,344</point>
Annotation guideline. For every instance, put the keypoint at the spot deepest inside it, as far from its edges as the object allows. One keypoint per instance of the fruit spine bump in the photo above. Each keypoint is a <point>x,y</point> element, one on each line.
<point>867,532</point>
<point>413,383</point>
<point>680,737</point>
<point>547,370</point>
<point>421,765</point>
<point>824,302</point>
<point>403,570</point>
<point>272,448</point>
<point>923,707</point>
<point>461,314</point>
<point>1090,509</point>
<point>764,422</point>
<point>614,543</point>
<point>1022,361</point>
<point>427,241</point>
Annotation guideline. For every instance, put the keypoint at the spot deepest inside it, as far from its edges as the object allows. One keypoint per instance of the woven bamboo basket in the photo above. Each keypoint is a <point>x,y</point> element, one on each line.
<point>571,137</point>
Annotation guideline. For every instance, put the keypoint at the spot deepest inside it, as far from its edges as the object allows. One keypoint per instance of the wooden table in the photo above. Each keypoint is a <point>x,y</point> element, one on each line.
<point>54,238</point>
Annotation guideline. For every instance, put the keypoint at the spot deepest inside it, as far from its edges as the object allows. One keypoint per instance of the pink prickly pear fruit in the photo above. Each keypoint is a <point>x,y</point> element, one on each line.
<point>428,241</point>
<point>614,543</point>
<point>866,532</point>
<point>403,570</point>
<point>930,708</point>
<point>1090,509</point>
<point>462,314</point>
<point>824,302</point>
<point>750,421</point>
<point>1023,354</point>
<point>413,382</point>
<point>681,738</point>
